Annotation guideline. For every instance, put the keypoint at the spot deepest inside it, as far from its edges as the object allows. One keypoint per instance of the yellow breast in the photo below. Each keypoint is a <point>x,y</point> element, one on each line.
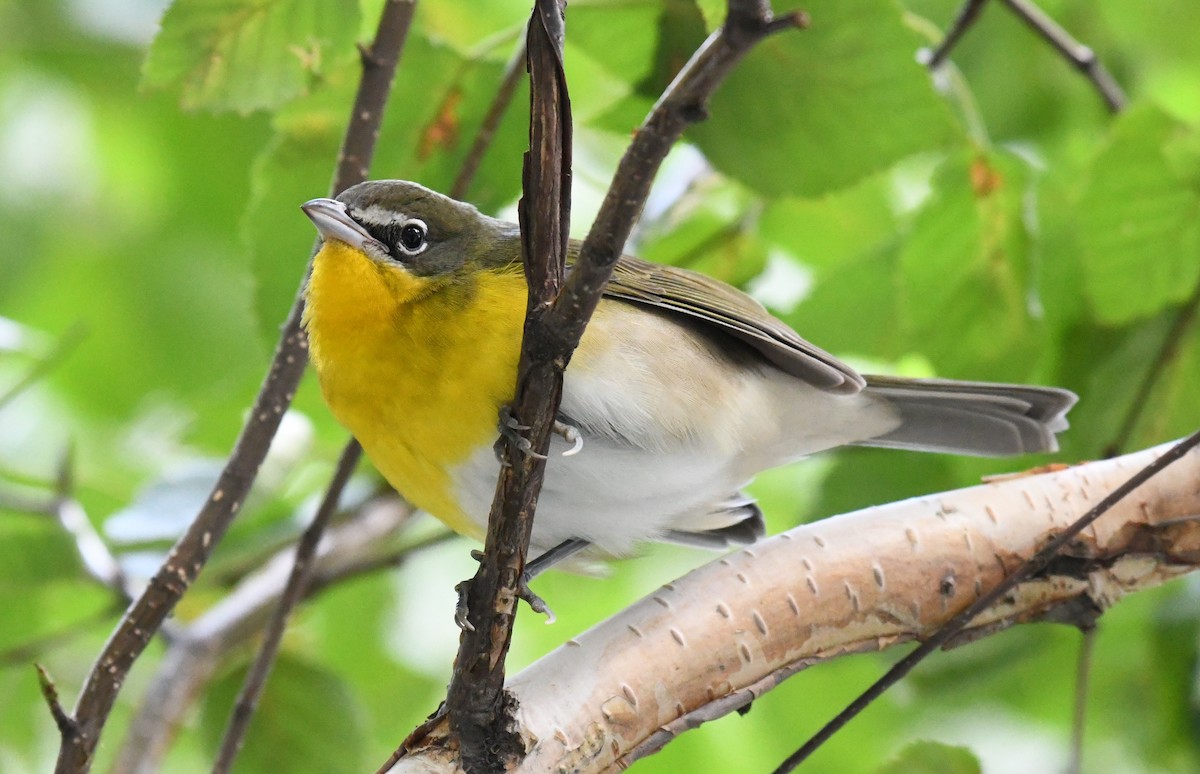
<point>415,368</point>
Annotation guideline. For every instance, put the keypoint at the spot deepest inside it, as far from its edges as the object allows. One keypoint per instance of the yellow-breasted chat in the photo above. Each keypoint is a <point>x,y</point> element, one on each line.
<point>682,389</point>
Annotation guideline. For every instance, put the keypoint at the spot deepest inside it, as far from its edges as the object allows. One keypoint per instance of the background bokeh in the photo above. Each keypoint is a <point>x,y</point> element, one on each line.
<point>993,221</point>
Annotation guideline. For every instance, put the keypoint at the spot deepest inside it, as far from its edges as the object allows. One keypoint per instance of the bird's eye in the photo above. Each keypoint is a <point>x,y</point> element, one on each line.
<point>412,238</point>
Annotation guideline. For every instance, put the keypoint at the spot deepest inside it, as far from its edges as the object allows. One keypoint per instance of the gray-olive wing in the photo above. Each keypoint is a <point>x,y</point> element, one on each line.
<point>735,313</point>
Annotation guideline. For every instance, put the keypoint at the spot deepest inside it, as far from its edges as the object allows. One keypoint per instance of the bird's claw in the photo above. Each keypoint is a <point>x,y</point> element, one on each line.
<point>570,434</point>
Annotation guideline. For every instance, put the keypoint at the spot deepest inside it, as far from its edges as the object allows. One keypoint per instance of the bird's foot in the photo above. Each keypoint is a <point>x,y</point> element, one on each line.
<point>462,608</point>
<point>536,603</point>
<point>511,429</point>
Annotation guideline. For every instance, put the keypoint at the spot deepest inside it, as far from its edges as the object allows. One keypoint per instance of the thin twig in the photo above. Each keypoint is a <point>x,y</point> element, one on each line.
<point>94,554</point>
<point>1083,58</point>
<point>491,122</point>
<point>372,564</point>
<point>1166,354</point>
<point>21,504</point>
<point>967,16</point>
<point>1083,674</point>
<point>1080,56</point>
<point>192,551</point>
<point>1034,565</point>
<point>306,549</point>
<point>65,723</point>
<point>51,360</point>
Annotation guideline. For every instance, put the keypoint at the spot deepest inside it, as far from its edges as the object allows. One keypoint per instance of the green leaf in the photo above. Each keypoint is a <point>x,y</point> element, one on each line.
<point>245,55</point>
<point>815,110</point>
<point>43,587</point>
<point>307,720</point>
<point>1139,218</point>
<point>1106,367</point>
<point>848,240</point>
<point>927,757</point>
<point>825,232</point>
<point>964,284</point>
<point>1174,409</point>
<point>1157,42</point>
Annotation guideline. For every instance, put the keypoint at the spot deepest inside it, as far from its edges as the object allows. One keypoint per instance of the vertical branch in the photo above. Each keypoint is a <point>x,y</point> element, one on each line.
<point>189,555</point>
<point>306,548</point>
<point>379,62</point>
<point>479,711</point>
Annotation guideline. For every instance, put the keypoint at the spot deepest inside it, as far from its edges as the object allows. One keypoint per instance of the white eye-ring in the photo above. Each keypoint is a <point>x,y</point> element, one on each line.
<point>412,238</point>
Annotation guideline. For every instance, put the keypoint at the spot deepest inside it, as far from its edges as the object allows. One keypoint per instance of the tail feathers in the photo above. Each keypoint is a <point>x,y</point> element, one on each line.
<point>976,418</point>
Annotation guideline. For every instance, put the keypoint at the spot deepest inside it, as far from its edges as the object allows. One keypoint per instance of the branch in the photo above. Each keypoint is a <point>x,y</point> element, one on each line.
<point>1080,56</point>
<point>1083,58</point>
<point>491,122</point>
<point>97,559</point>
<point>193,549</point>
<point>31,649</point>
<point>1083,677</point>
<point>65,723</point>
<point>723,635</point>
<point>474,701</point>
<point>967,16</point>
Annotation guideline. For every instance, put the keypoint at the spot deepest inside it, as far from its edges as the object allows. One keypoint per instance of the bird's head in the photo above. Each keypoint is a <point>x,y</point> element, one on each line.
<point>394,241</point>
<point>387,244</point>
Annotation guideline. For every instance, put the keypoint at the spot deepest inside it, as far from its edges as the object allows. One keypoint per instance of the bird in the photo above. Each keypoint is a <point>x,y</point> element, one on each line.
<point>681,390</point>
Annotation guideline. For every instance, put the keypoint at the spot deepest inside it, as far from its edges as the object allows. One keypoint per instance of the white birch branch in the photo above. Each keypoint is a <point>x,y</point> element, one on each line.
<point>722,635</point>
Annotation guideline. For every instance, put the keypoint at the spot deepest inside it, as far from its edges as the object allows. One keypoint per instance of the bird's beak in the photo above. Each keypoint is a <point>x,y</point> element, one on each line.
<point>334,222</point>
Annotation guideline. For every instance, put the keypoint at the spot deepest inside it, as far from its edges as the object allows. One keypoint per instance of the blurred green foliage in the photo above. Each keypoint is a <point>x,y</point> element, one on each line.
<point>990,221</point>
